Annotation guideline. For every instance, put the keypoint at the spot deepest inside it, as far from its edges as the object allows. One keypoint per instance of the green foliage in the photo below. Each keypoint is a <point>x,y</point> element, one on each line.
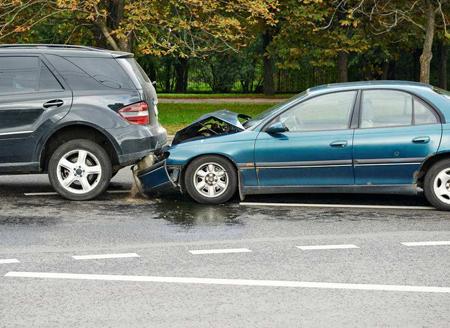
<point>221,45</point>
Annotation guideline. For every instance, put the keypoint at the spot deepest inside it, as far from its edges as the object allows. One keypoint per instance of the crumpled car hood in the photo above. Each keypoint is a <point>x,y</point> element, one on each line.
<point>210,125</point>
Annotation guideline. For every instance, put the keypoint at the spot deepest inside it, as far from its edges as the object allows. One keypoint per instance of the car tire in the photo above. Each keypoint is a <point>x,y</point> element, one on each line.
<point>80,170</point>
<point>437,185</point>
<point>210,180</point>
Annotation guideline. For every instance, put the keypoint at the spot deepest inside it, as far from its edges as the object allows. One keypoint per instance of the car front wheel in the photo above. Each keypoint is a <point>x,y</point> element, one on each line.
<point>437,185</point>
<point>80,170</point>
<point>210,180</point>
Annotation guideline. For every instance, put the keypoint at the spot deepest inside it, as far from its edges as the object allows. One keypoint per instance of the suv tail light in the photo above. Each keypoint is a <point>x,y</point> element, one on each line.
<point>136,113</point>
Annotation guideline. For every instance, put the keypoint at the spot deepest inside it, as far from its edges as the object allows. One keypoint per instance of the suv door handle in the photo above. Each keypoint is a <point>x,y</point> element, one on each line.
<point>339,143</point>
<point>53,103</point>
<point>422,140</point>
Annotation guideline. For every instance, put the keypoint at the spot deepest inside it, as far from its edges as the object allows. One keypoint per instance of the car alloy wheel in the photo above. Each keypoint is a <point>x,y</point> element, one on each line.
<point>79,171</point>
<point>441,185</point>
<point>211,180</point>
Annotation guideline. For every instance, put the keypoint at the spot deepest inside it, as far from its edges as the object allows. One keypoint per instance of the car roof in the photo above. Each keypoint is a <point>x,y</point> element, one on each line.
<point>393,84</point>
<point>61,49</point>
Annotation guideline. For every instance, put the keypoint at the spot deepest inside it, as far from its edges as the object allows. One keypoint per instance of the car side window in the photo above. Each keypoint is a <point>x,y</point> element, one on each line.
<point>25,75</point>
<point>384,108</point>
<point>327,112</point>
<point>423,114</point>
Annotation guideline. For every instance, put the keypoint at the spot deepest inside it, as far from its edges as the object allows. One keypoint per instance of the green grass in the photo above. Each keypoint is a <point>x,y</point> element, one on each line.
<point>221,95</point>
<point>176,116</point>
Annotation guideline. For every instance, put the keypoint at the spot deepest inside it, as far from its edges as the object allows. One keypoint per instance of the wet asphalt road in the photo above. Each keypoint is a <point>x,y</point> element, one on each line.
<point>42,233</point>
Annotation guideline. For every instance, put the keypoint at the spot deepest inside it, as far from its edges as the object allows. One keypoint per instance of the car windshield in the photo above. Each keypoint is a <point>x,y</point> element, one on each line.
<point>268,112</point>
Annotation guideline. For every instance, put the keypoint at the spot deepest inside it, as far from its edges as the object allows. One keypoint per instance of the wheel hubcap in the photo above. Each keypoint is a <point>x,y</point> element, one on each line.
<point>211,180</point>
<point>79,171</point>
<point>441,186</point>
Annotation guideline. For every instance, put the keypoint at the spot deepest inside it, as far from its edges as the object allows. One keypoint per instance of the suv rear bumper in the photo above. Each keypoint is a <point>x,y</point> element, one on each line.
<point>136,142</point>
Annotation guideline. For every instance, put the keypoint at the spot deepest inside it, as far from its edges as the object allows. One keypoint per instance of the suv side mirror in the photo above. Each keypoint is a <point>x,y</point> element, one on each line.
<point>277,127</point>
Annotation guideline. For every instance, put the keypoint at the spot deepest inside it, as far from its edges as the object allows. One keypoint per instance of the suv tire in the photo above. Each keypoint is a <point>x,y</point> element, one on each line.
<point>210,180</point>
<point>437,185</point>
<point>80,170</point>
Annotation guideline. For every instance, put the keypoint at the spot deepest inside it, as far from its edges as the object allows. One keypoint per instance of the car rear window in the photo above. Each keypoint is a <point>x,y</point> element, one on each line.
<point>443,92</point>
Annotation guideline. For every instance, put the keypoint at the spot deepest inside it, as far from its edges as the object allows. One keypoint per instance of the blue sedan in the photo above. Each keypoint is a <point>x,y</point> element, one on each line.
<point>364,137</point>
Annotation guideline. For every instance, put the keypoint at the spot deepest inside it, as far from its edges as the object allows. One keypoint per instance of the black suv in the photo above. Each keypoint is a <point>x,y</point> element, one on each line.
<point>77,113</point>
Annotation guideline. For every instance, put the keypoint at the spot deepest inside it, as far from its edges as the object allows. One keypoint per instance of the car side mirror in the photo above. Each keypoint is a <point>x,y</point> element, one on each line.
<point>277,127</point>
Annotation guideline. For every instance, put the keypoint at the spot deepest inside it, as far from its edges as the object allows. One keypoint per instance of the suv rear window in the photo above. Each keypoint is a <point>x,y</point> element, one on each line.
<point>132,64</point>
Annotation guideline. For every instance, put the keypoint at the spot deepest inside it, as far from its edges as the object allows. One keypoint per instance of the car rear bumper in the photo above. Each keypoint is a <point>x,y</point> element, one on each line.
<point>137,142</point>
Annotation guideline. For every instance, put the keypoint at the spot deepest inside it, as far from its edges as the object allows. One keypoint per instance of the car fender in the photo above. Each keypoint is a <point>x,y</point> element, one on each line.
<point>239,151</point>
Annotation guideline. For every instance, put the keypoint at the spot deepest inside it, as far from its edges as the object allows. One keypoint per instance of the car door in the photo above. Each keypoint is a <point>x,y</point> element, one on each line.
<point>397,131</point>
<point>317,148</point>
<point>31,99</point>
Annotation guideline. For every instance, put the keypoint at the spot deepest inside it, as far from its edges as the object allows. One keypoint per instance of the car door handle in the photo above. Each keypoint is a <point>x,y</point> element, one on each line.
<point>53,103</point>
<point>421,140</point>
<point>339,143</point>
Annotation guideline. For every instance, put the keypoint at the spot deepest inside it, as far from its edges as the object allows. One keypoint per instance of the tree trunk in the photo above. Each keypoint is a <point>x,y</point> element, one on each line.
<point>116,13</point>
<point>342,65</point>
<point>427,52</point>
<point>181,71</point>
<point>391,71</point>
<point>167,84</point>
<point>385,74</point>
<point>268,83</point>
<point>109,39</point>
<point>442,66</point>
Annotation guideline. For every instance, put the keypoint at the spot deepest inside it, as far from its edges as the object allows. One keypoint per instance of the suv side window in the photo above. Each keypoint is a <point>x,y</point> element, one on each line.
<point>327,112</point>
<point>25,75</point>
<point>384,108</point>
<point>107,71</point>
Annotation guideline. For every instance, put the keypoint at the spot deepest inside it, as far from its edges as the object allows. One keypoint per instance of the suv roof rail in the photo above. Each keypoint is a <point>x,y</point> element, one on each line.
<point>38,45</point>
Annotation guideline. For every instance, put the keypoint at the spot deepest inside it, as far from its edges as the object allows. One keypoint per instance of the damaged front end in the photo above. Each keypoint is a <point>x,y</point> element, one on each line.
<point>212,125</point>
<point>157,174</point>
<point>154,176</point>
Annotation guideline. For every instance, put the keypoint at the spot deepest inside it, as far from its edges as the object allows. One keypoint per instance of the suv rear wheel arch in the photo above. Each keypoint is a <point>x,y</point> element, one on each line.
<point>77,131</point>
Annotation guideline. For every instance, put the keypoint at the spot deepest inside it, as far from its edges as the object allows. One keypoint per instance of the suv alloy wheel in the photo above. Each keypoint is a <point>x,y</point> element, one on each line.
<point>80,170</point>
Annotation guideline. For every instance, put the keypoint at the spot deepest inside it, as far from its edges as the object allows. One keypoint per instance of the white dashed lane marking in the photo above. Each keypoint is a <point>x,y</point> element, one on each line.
<point>427,243</point>
<point>52,193</point>
<point>104,256</point>
<point>232,282</point>
<point>9,261</point>
<point>319,247</point>
<point>220,251</point>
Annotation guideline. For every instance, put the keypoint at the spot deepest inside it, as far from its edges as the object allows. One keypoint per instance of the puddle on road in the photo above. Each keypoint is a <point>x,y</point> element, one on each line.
<point>191,214</point>
<point>178,210</point>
